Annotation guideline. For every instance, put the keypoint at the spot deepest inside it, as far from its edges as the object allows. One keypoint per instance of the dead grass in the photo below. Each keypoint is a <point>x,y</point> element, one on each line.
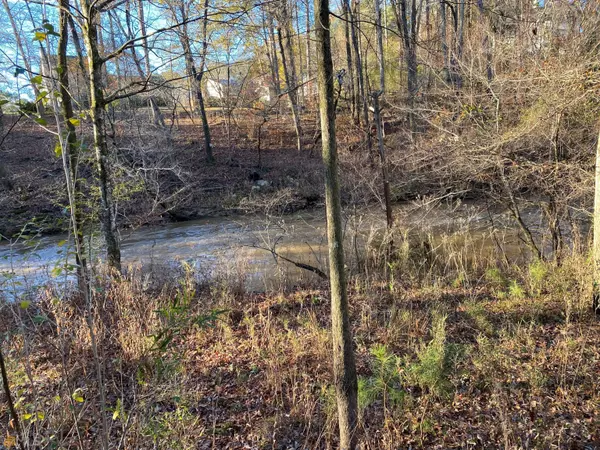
<point>442,364</point>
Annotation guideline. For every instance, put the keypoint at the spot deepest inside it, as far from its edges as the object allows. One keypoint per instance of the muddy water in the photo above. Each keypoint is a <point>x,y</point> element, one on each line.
<point>236,248</point>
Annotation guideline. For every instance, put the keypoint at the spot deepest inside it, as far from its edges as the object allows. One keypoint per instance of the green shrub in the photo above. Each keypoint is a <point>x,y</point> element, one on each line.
<point>494,277</point>
<point>538,272</point>
<point>476,311</point>
<point>431,370</point>
<point>385,381</point>
<point>515,290</point>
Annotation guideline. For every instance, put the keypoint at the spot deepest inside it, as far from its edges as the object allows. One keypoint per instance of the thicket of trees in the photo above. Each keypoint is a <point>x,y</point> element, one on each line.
<point>495,99</point>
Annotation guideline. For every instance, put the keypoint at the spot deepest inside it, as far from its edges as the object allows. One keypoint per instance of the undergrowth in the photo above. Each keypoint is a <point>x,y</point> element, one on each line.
<point>505,358</point>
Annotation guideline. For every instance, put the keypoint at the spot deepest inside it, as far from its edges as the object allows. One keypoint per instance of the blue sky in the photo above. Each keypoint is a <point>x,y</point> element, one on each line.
<point>156,17</point>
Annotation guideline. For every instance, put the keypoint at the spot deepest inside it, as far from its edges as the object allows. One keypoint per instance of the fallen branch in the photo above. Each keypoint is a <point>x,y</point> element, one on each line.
<point>300,265</point>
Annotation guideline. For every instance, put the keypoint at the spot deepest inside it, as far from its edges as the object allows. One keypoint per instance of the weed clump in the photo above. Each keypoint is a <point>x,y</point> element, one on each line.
<point>430,371</point>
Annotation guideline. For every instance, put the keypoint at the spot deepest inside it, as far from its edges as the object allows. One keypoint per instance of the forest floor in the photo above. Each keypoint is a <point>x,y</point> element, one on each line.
<point>504,358</point>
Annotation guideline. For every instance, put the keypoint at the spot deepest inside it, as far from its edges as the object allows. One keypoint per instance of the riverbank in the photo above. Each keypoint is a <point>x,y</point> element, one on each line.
<point>453,351</point>
<point>163,177</point>
<point>160,181</point>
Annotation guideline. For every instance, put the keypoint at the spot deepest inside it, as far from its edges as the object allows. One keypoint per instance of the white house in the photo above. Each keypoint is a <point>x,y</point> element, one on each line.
<point>246,90</point>
<point>223,88</point>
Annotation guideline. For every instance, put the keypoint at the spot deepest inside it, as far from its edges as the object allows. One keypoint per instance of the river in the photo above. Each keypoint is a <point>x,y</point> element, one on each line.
<point>237,247</point>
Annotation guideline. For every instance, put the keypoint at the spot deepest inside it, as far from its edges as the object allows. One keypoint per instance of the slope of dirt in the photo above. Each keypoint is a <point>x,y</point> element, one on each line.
<point>160,179</point>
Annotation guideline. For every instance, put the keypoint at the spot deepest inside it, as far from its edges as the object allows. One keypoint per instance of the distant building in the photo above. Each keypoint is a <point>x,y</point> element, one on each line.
<point>223,88</point>
<point>240,89</point>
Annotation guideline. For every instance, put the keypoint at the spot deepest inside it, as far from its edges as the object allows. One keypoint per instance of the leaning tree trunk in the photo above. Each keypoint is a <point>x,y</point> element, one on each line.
<point>344,366</point>
<point>273,46</point>
<point>203,117</point>
<point>460,42</point>
<point>4,178</point>
<point>108,218</point>
<point>384,166</point>
<point>267,28</point>
<point>77,44</point>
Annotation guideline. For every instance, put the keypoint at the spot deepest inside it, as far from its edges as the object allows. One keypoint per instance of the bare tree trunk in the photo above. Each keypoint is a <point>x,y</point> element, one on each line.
<point>380,54</point>
<point>129,33</point>
<point>146,50</point>
<point>353,84</point>
<point>267,29</point>
<point>361,97</point>
<point>460,41</point>
<point>197,76</point>
<point>486,42</point>
<point>77,44</point>
<point>11,406</point>
<point>205,126</point>
<point>275,68</point>
<point>25,56</point>
<point>384,166</point>
<point>344,366</point>
<point>444,39</point>
<point>596,225</point>
<point>108,218</point>
<point>307,44</point>
<point>157,116</point>
<point>4,176</point>
<point>71,158</point>
<point>299,75</point>
<point>289,71</point>
<point>409,41</point>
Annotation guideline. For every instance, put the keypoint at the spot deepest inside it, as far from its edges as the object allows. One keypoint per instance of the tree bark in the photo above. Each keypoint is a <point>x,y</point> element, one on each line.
<point>596,225</point>
<point>361,97</point>
<point>486,42</point>
<point>344,366</point>
<point>290,73</point>
<point>380,54</point>
<point>384,168</point>
<point>307,44</point>
<point>409,41</point>
<point>353,84</point>
<point>197,76</point>
<point>71,158</point>
<point>443,38</point>
<point>108,218</point>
